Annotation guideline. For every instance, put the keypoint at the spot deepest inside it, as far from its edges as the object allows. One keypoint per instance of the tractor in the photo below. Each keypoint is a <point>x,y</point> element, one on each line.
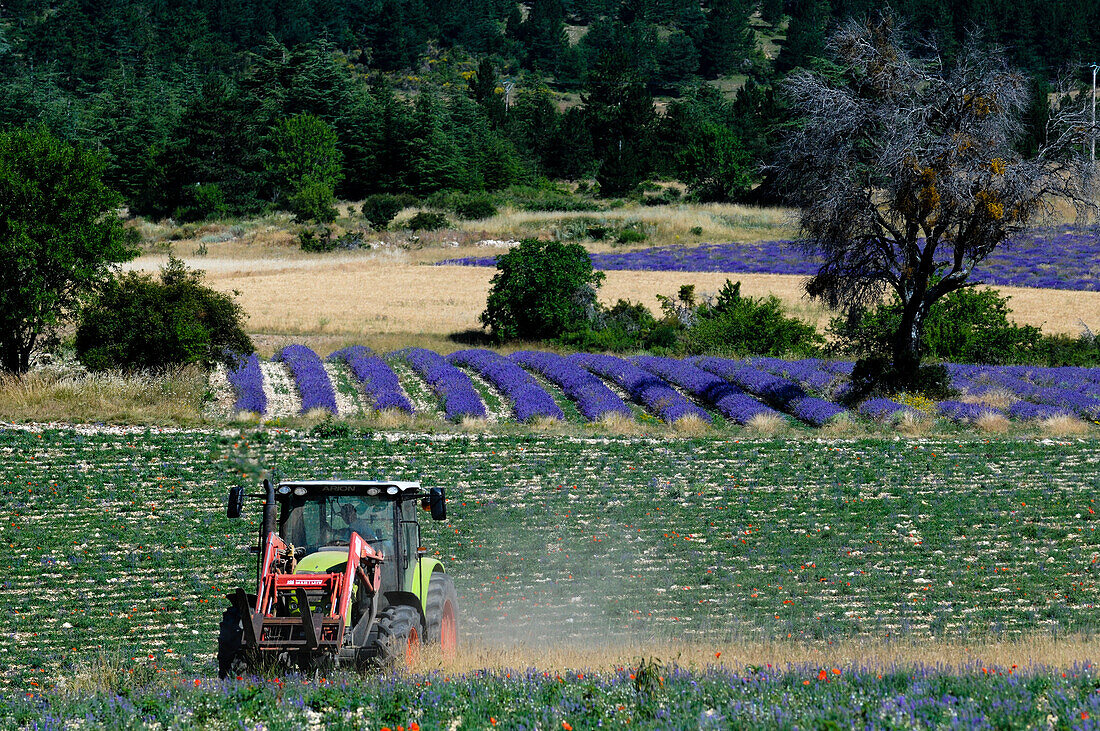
<point>341,579</point>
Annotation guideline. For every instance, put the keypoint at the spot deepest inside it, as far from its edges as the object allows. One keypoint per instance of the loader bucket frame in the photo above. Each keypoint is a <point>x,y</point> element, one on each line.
<point>267,629</point>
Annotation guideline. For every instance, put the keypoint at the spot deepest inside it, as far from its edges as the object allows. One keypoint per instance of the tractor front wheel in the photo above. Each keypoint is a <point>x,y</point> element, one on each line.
<point>232,655</point>
<point>397,636</point>
<point>442,610</point>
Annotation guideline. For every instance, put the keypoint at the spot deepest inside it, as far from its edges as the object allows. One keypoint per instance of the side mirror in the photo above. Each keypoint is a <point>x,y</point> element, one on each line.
<point>236,502</point>
<point>437,502</point>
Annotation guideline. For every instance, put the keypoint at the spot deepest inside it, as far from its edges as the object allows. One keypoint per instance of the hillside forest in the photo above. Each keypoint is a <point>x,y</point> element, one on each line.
<point>205,108</point>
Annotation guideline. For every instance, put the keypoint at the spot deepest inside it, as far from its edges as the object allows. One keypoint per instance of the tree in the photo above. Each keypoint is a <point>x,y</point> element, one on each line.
<point>542,289</point>
<point>728,41</point>
<point>59,235</point>
<point>620,115</point>
<point>907,177</point>
<point>805,35</point>
<point>138,323</point>
<point>305,164</point>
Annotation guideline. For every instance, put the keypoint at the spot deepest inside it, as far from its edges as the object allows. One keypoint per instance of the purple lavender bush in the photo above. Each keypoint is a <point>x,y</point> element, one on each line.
<point>377,379</point>
<point>964,412</point>
<point>645,388</point>
<point>453,387</point>
<point>882,409</point>
<point>781,393</point>
<point>248,381</point>
<point>310,376</point>
<point>528,398</point>
<point>591,395</point>
<point>729,400</point>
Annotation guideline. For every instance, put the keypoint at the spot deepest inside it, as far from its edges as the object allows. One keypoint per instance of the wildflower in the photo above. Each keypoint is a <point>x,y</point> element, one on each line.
<point>836,671</point>
<point>822,676</point>
<point>565,726</point>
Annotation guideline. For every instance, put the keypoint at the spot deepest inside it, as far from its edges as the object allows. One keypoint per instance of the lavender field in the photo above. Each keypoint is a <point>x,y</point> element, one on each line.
<point>582,388</point>
<point>1065,257</point>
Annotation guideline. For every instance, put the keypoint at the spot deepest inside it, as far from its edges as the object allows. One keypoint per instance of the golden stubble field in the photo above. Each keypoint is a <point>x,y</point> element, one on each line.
<point>392,299</point>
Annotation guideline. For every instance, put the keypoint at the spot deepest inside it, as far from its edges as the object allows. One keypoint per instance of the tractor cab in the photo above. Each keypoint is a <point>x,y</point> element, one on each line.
<point>319,518</point>
<point>341,575</point>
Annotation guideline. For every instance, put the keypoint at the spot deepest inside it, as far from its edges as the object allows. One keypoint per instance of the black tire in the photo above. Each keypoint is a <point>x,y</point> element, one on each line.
<point>233,658</point>
<point>396,636</point>
<point>441,593</point>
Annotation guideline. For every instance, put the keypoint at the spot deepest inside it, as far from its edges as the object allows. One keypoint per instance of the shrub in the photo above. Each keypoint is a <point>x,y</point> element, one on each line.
<point>1062,350</point>
<point>313,201</point>
<point>630,236</point>
<point>626,326</point>
<point>737,325</point>
<point>316,239</point>
<point>381,209</point>
<point>968,326</point>
<point>475,208</point>
<point>876,376</point>
<point>428,221</point>
<point>138,322</point>
<point>542,289</point>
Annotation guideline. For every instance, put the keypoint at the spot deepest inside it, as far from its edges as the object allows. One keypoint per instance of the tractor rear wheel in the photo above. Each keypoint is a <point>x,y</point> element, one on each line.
<point>232,655</point>
<point>396,637</point>
<point>442,611</point>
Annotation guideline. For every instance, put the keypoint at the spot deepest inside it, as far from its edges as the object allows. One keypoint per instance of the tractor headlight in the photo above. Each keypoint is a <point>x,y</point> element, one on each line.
<point>372,491</point>
<point>299,491</point>
<point>284,490</point>
<point>392,490</point>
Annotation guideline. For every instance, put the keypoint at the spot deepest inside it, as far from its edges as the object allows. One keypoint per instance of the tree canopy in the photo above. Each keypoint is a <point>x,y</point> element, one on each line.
<point>60,234</point>
<point>907,174</point>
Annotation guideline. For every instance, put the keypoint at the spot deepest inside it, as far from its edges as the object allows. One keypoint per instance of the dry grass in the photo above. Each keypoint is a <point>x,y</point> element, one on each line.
<point>357,298</point>
<point>1039,651</point>
<point>174,398</point>
<point>620,424</point>
<point>1063,426</point>
<point>690,425</point>
<point>766,424</point>
<point>998,398</point>
<point>914,424</point>
<point>992,423</point>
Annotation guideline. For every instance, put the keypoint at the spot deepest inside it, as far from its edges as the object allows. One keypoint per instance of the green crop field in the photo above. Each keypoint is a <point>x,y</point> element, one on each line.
<point>117,543</point>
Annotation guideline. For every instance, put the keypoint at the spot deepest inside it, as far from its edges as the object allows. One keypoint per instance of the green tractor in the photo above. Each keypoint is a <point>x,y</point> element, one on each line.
<point>341,579</point>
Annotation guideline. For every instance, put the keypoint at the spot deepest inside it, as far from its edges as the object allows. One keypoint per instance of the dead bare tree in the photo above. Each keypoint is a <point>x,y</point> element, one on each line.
<point>906,176</point>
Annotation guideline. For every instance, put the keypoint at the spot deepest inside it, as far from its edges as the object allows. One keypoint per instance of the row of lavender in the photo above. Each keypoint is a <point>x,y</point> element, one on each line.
<point>1065,257</point>
<point>670,389</point>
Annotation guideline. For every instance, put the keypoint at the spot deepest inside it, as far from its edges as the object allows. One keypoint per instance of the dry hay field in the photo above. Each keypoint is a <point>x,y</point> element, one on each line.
<point>393,295</point>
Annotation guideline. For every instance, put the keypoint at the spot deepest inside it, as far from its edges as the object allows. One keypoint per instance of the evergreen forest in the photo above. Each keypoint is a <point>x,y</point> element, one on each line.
<point>207,108</point>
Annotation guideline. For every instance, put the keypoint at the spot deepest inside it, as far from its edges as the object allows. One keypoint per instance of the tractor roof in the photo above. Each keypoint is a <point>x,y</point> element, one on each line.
<point>403,485</point>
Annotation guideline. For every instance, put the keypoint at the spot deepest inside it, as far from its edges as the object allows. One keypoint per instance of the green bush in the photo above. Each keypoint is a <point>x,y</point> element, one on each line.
<point>138,322</point>
<point>630,236</point>
<point>736,325</point>
<point>382,208</point>
<point>967,326</point>
<point>542,289</point>
<point>625,327</point>
<point>316,240</point>
<point>475,208</point>
<point>428,221</point>
<point>313,201</point>
<point>1062,350</point>
<point>876,376</point>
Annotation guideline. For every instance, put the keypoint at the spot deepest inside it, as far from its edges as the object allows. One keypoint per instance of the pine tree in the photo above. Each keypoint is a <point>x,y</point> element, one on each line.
<point>621,118</point>
<point>805,35</point>
<point>728,41</point>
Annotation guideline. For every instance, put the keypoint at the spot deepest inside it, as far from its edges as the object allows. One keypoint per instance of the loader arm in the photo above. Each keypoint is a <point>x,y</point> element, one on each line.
<point>278,623</point>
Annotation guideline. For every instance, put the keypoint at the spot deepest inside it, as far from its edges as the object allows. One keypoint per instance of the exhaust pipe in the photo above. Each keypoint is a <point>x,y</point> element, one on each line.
<point>267,525</point>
